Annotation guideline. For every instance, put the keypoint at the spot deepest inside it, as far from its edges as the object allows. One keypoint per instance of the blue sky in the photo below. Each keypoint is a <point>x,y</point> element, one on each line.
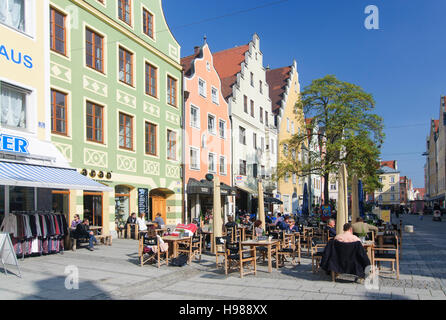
<point>402,64</point>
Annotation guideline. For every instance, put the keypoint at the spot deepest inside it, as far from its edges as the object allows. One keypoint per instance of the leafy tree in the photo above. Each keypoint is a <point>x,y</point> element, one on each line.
<point>340,128</point>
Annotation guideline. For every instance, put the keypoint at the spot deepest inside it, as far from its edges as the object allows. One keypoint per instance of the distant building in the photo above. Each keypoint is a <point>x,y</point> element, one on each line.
<point>389,177</point>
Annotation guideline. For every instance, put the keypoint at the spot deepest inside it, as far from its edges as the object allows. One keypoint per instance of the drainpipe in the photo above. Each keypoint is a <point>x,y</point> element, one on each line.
<point>183,152</point>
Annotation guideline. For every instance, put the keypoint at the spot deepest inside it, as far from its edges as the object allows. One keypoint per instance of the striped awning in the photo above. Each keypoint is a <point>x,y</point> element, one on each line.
<point>27,175</point>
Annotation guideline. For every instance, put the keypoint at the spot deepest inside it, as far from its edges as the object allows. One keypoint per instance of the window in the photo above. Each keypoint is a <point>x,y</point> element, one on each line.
<point>261,115</point>
<point>194,159</point>
<point>272,146</point>
<point>125,11</point>
<point>254,170</point>
<point>392,179</point>
<point>252,108</point>
<point>392,188</point>
<point>211,124</point>
<point>294,178</point>
<point>57,31</point>
<point>95,122</point>
<point>125,66</point>
<point>288,124</point>
<point>292,127</point>
<point>266,118</point>
<point>171,91</point>
<point>147,18</point>
<point>287,177</point>
<point>94,50</point>
<point>151,80</point>
<point>252,79</point>
<point>214,95</point>
<point>254,142</point>
<point>125,131</point>
<point>222,128</point>
<point>202,87</point>
<point>261,86</point>
<point>150,130</point>
<point>262,172</point>
<point>245,104</point>
<point>285,150</point>
<point>262,143</point>
<point>392,197</point>
<point>12,13</point>
<point>332,187</point>
<point>194,117</point>
<point>211,162</point>
<point>13,106</point>
<point>242,168</point>
<point>222,165</point>
<point>171,145</point>
<point>242,136</point>
<point>58,112</point>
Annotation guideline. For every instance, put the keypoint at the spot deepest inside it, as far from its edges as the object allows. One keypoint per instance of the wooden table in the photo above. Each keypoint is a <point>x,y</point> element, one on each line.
<point>95,229</point>
<point>368,245</point>
<point>269,245</point>
<point>174,241</point>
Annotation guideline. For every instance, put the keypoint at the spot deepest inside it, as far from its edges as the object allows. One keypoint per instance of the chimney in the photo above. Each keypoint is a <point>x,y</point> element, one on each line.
<point>196,50</point>
<point>268,68</point>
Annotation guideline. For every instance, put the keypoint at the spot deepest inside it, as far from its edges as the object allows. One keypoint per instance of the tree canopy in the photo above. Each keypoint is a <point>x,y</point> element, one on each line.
<point>340,127</point>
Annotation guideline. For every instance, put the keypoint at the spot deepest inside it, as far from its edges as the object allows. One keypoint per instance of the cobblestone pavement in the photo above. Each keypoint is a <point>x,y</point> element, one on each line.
<point>114,273</point>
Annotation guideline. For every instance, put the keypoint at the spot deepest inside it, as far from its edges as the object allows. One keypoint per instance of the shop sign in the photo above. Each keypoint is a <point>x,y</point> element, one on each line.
<point>16,57</point>
<point>143,200</point>
<point>10,143</point>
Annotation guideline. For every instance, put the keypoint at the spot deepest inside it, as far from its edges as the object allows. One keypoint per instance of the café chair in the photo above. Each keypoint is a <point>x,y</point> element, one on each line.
<point>236,256</point>
<point>388,253</point>
<point>159,257</point>
<point>220,242</point>
<point>317,252</point>
<point>287,248</point>
<point>190,249</point>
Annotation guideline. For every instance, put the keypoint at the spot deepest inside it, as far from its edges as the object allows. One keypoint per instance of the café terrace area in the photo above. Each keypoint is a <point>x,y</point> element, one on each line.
<point>115,272</point>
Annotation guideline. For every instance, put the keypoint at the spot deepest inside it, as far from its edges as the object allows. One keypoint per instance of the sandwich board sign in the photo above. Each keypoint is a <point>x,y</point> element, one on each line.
<point>7,254</point>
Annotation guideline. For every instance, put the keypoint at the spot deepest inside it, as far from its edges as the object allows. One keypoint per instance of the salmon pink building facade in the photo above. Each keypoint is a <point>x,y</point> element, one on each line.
<point>207,135</point>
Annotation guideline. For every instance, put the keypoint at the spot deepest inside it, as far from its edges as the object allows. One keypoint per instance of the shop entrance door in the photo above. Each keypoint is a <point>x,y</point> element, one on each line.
<point>93,208</point>
<point>159,206</point>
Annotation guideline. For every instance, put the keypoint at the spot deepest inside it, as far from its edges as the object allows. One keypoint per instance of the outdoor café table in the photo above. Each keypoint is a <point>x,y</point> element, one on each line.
<point>268,245</point>
<point>160,231</point>
<point>95,229</point>
<point>368,245</point>
<point>174,241</point>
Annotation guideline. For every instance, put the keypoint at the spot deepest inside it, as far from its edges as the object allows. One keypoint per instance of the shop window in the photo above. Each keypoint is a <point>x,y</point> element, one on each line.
<point>21,199</point>
<point>93,208</point>
<point>61,202</point>
<point>13,106</point>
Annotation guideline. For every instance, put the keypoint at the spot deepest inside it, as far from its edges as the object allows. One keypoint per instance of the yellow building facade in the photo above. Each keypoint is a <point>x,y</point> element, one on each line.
<point>284,92</point>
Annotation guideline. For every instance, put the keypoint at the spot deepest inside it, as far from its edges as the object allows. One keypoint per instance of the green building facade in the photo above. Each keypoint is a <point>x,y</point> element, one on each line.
<point>116,101</point>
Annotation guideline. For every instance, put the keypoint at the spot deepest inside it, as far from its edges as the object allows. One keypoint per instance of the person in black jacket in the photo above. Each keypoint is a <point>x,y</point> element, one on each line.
<point>83,231</point>
<point>132,222</point>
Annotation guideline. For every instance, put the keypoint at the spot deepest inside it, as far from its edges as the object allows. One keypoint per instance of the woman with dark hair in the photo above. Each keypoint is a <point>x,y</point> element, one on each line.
<point>258,228</point>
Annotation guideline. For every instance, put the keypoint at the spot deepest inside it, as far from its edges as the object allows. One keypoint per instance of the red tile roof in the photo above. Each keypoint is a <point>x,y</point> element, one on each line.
<point>228,63</point>
<point>390,164</point>
<point>436,123</point>
<point>277,81</point>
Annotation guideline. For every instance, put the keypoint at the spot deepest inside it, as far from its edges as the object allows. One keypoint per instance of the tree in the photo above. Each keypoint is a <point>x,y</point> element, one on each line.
<point>340,128</point>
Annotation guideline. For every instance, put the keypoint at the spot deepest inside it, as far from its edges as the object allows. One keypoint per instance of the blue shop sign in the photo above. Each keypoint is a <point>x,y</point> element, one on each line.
<point>16,56</point>
<point>13,144</point>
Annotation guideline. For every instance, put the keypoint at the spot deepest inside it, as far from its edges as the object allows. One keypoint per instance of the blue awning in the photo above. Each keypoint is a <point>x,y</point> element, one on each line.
<point>27,175</point>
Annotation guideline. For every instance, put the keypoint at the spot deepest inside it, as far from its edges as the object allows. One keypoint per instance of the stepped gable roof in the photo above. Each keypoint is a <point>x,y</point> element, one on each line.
<point>277,80</point>
<point>228,64</point>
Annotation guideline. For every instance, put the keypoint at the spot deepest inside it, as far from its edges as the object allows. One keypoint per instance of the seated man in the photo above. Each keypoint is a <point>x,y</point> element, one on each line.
<point>83,231</point>
<point>268,218</point>
<point>283,225</point>
<point>360,227</point>
<point>159,220</point>
<point>231,226</point>
<point>348,235</point>
<point>131,221</point>
<point>331,228</point>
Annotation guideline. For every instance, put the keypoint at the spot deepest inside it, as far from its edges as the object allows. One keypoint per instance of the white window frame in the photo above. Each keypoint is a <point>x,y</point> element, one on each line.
<point>204,94</point>
<point>214,96</point>
<point>223,173</point>
<point>30,106</point>
<point>224,128</point>
<point>215,124</point>
<point>196,126</point>
<point>214,158</point>
<point>29,20</point>
<point>191,167</point>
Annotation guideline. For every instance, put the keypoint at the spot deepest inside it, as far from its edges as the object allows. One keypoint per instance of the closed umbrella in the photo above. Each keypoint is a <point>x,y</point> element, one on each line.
<point>342,215</point>
<point>305,201</point>
<point>217,220</point>
<point>355,199</point>
<point>261,206</point>
<point>361,198</point>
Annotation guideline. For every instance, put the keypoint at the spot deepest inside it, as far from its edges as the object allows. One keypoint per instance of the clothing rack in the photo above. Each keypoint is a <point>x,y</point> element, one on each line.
<point>36,232</point>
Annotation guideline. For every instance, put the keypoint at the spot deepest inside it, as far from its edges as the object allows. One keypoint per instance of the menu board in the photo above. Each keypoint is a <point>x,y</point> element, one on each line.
<point>143,200</point>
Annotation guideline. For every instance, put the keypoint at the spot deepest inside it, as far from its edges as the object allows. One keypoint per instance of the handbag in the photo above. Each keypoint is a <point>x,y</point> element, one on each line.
<point>179,261</point>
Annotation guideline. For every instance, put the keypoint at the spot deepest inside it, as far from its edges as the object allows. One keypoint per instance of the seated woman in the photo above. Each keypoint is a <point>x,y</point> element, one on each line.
<point>293,226</point>
<point>141,222</point>
<point>151,233</point>
<point>258,228</point>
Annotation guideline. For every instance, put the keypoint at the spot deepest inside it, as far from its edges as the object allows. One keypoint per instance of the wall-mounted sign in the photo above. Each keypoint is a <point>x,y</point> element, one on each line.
<point>17,57</point>
<point>13,144</point>
<point>143,200</point>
